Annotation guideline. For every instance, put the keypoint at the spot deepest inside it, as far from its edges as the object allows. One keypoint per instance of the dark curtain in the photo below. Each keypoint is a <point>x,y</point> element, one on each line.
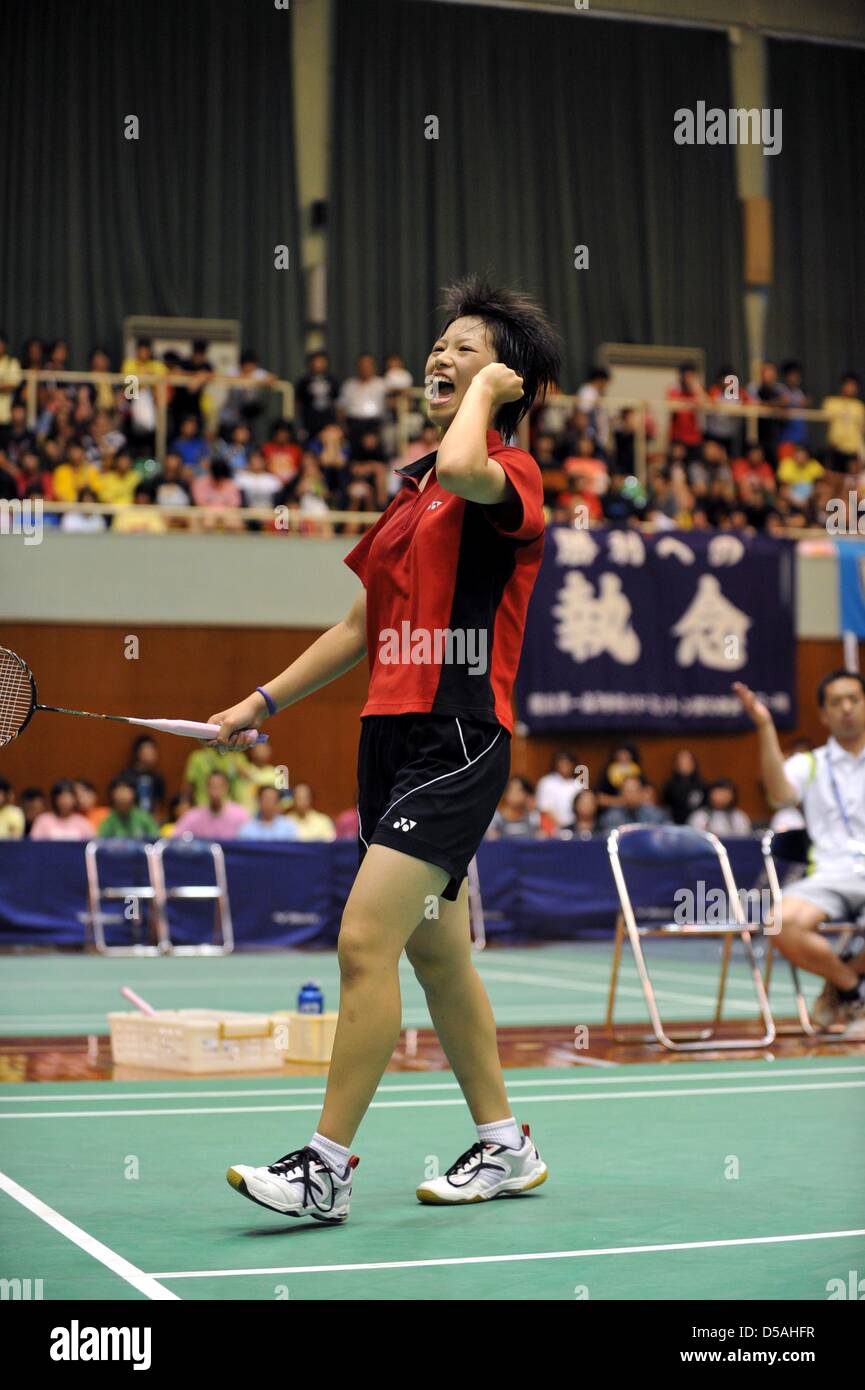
<point>554,131</point>
<point>817,301</point>
<point>182,221</point>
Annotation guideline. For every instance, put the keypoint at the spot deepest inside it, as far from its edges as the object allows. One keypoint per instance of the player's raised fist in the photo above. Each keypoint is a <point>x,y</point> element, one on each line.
<point>502,382</point>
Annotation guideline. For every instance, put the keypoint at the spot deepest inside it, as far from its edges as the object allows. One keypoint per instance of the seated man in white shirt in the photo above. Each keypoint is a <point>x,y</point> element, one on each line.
<point>557,788</point>
<point>829,786</point>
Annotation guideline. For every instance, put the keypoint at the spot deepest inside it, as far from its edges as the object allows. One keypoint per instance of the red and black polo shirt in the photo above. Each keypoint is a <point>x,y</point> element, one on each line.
<point>434,564</point>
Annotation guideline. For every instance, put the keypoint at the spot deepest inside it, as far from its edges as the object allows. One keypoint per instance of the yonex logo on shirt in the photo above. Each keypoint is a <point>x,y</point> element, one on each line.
<point>432,506</point>
<point>403,824</point>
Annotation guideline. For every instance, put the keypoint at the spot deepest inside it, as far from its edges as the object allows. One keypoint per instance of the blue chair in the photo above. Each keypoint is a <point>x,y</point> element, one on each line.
<point>660,847</point>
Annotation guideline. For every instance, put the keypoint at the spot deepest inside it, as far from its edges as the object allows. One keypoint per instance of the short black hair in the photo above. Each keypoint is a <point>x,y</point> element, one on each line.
<point>62,785</point>
<point>5,785</point>
<point>791,365</point>
<point>123,780</point>
<point>852,376</point>
<point>522,337</point>
<point>724,784</point>
<point>839,674</point>
<point>143,738</point>
<point>527,786</point>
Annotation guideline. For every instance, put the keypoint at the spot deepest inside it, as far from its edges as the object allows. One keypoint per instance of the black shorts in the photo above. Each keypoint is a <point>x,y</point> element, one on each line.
<point>429,785</point>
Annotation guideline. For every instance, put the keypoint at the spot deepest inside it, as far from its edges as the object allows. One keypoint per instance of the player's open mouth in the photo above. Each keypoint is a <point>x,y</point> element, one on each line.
<point>443,389</point>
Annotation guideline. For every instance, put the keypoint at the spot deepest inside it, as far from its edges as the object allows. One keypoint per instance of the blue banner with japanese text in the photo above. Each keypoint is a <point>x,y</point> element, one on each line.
<point>629,631</point>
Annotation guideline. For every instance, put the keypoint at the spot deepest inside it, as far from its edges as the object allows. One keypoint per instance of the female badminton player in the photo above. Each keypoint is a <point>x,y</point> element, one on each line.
<point>447,572</point>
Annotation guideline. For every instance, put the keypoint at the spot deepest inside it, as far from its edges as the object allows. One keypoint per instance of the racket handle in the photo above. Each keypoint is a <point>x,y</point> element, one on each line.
<point>188,728</point>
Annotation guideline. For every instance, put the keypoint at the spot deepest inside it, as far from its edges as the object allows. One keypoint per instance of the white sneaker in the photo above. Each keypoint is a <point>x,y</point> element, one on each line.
<point>485,1171</point>
<point>299,1184</point>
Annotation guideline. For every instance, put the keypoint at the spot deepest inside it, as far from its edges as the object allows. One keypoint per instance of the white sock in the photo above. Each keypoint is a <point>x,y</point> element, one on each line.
<point>334,1154</point>
<point>505,1132</point>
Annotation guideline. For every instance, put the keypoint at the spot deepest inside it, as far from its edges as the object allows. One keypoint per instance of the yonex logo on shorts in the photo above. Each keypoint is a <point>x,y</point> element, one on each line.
<point>403,824</point>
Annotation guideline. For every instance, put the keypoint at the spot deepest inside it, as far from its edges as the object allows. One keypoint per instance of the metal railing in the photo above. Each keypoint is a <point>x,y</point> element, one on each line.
<point>646,410</point>
<point>276,520</point>
<point>408,410</point>
<point>158,384</point>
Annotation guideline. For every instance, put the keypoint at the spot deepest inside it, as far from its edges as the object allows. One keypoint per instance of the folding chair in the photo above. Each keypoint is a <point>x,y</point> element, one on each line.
<point>662,846</point>
<point>189,850</point>
<point>100,853</point>
<point>790,848</point>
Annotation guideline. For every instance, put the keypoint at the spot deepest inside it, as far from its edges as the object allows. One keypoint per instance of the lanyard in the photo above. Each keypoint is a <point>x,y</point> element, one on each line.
<point>836,790</point>
<point>857,846</point>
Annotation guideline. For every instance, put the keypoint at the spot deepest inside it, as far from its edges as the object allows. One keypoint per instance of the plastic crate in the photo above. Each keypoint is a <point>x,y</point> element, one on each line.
<point>195,1041</point>
<point>201,1041</point>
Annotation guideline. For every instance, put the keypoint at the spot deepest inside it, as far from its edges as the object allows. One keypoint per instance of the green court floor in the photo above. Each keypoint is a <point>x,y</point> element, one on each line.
<point>730,1180</point>
<point>550,984</point>
<point>735,1180</point>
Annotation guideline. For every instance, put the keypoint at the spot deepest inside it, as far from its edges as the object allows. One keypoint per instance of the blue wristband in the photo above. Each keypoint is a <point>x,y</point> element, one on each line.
<point>271,707</point>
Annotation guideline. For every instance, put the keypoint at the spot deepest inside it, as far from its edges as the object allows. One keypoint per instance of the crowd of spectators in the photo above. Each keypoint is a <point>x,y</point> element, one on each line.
<point>564,806</point>
<point>239,795</point>
<point>711,472</point>
<point>222,797</point>
<point>94,443</point>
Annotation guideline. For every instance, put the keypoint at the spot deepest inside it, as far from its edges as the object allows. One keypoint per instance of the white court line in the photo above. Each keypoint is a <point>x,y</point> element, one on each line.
<point>412,1015</point>
<point>144,1283</point>
<point>589,987</point>
<point>507,1259</point>
<point>658,973</point>
<point>424,1104</point>
<point>680,1074</point>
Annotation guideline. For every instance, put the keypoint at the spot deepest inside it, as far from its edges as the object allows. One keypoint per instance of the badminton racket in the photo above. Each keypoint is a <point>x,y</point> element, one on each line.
<point>19,702</point>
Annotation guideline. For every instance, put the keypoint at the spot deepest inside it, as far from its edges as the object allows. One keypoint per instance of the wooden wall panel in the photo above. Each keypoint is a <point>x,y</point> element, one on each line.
<point>182,673</point>
<point>190,673</point>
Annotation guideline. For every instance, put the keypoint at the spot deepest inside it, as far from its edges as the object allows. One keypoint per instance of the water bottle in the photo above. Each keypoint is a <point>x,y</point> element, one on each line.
<point>310,1000</point>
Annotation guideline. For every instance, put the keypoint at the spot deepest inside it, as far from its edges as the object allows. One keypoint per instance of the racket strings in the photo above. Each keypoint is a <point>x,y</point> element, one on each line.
<point>16,696</point>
